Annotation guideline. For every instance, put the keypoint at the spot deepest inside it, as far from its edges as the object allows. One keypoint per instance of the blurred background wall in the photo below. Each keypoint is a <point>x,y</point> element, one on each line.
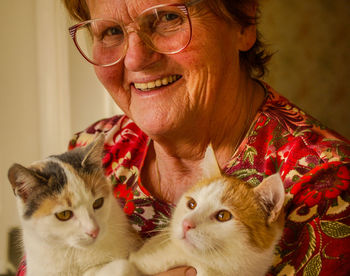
<point>18,104</point>
<point>48,92</point>
<point>311,65</point>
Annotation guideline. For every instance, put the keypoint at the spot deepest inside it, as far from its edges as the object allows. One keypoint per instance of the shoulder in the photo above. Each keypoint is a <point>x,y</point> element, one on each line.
<point>291,129</point>
<point>314,163</point>
<point>125,143</point>
<point>293,119</point>
<point>113,127</point>
<point>284,138</point>
<point>88,134</point>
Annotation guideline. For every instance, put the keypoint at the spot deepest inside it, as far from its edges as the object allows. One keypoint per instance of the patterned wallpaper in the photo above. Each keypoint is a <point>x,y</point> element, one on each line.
<point>311,65</point>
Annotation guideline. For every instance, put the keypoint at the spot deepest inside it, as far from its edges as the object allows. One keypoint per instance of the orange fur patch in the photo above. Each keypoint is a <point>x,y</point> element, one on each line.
<point>46,207</point>
<point>247,209</point>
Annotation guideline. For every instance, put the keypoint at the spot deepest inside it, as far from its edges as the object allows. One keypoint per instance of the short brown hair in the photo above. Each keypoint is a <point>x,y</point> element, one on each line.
<point>254,60</point>
<point>77,9</point>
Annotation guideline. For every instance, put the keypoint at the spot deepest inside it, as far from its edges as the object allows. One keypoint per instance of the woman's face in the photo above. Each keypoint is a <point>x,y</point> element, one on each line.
<point>206,68</point>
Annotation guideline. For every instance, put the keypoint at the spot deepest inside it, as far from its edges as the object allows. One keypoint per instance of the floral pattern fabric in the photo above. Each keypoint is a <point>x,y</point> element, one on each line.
<point>314,164</point>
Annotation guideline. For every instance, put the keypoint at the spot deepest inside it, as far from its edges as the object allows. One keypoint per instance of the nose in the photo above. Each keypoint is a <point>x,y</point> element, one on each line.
<point>93,233</point>
<point>187,225</point>
<point>138,55</point>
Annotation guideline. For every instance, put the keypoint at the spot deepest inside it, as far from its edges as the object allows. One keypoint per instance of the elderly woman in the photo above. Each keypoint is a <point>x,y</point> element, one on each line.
<point>185,75</point>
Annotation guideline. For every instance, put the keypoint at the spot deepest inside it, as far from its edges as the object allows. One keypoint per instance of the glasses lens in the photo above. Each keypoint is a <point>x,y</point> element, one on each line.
<point>167,29</point>
<point>102,42</point>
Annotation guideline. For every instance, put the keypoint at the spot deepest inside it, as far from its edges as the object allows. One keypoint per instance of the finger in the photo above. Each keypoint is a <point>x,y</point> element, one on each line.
<point>179,271</point>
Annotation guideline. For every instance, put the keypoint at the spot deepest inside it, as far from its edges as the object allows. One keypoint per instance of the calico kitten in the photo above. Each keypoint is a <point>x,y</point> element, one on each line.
<point>222,226</point>
<point>71,223</point>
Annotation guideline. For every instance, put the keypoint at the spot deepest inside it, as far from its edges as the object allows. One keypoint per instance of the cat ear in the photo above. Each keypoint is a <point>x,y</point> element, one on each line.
<point>209,165</point>
<point>94,152</point>
<point>272,194</point>
<point>23,180</point>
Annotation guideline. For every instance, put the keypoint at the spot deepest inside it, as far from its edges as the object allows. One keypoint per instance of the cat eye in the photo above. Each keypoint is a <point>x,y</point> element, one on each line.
<point>98,203</point>
<point>191,203</point>
<point>65,215</point>
<point>223,216</point>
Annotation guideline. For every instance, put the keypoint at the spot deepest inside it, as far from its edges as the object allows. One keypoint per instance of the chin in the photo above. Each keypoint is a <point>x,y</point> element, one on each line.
<point>187,243</point>
<point>158,119</point>
<point>152,124</point>
<point>196,244</point>
<point>191,247</point>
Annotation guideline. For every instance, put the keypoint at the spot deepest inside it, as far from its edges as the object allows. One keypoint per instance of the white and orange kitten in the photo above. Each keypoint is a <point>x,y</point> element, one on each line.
<point>71,223</point>
<point>221,226</point>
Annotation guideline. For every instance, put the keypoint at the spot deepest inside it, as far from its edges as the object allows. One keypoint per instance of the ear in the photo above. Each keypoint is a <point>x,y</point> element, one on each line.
<point>272,195</point>
<point>247,34</point>
<point>209,165</point>
<point>23,180</point>
<point>94,152</point>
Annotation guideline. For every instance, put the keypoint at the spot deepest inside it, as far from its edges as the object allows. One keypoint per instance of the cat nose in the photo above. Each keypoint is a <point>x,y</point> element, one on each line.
<point>93,233</point>
<point>187,225</point>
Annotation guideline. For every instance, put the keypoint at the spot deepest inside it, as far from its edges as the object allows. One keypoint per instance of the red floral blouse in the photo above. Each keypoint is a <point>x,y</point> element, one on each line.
<point>313,161</point>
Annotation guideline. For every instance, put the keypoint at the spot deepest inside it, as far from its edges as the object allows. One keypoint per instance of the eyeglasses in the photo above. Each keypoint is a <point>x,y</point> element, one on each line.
<point>164,28</point>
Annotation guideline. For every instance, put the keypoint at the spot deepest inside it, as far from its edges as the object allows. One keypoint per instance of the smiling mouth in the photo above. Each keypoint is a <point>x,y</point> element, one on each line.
<point>147,86</point>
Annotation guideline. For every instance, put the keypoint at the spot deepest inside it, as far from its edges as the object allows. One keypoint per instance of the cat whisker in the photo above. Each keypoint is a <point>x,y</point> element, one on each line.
<point>159,230</point>
<point>166,240</point>
<point>217,250</point>
<point>69,256</point>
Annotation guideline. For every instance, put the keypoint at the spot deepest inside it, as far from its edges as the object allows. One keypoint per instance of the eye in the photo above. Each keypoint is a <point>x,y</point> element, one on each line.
<point>113,31</point>
<point>223,216</point>
<point>108,34</point>
<point>169,16</point>
<point>98,203</point>
<point>65,215</point>
<point>191,203</point>
<point>163,22</point>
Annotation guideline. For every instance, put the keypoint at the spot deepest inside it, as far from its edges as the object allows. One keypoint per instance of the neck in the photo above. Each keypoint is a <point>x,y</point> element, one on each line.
<point>179,155</point>
<point>231,124</point>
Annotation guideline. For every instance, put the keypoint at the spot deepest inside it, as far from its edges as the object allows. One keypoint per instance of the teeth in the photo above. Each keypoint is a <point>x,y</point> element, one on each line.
<point>164,81</point>
<point>157,83</point>
<point>151,84</point>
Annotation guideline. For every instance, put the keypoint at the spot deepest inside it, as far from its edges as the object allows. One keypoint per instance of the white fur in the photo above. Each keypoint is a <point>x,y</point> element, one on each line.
<point>53,247</point>
<point>209,165</point>
<point>213,248</point>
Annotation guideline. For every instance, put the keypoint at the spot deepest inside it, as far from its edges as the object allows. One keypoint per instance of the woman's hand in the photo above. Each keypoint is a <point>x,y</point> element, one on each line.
<point>179,271</point>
